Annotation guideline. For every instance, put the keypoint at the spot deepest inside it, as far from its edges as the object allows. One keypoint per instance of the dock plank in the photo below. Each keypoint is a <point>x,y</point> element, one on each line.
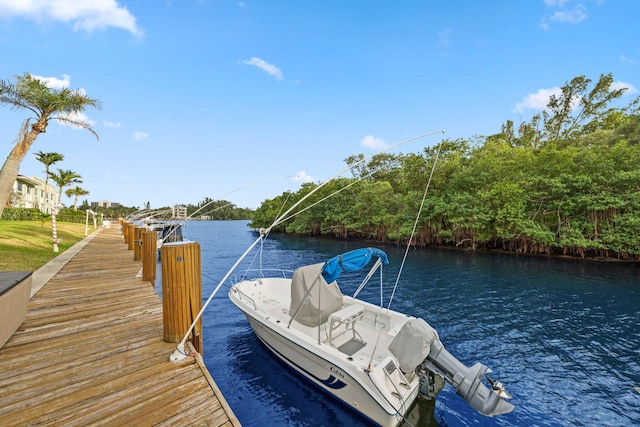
<point>91,352</point>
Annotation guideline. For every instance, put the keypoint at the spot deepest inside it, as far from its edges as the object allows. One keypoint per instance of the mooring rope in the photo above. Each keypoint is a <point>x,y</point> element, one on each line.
<point>415,224</point>
<point>179,352</point>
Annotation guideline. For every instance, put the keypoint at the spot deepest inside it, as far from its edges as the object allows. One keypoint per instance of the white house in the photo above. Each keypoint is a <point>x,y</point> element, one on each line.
<point>30,192</point>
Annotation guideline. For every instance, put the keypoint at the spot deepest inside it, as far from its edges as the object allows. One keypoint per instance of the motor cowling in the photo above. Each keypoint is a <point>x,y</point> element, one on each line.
<point>468,382</point>
<point>418,348</point>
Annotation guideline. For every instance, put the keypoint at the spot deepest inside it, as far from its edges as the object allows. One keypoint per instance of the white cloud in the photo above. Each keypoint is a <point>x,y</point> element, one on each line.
<point>140,136</point>
<point>58,84</point>
<point>564,12</point>
<point>302,177</point>
<point>54,82</point>
<point>574,16</point>
<point>626,60</point>
<point>75,117</point>
<point>373,143</point>
<point>559,3</point>
<point>265,66</point>
<point>538,100</point>
<point>109,124</point>
<point>623,85</point>
<point>85,15</point>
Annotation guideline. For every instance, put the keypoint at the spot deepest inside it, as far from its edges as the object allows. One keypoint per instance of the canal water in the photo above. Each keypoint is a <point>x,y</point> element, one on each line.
<point>563,335</point>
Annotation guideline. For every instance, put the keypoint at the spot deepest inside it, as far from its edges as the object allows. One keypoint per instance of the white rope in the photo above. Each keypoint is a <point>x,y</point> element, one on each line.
<point>238,189</point>
<point>332,194</point>
<point>284,217</point>
<point>415,225</point>
<point>221,198</point>
<point>424,196</point>
<point>179,352</point>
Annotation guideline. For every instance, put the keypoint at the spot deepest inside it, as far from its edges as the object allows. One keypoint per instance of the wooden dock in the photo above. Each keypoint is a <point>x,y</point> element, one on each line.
<point>91,352</point>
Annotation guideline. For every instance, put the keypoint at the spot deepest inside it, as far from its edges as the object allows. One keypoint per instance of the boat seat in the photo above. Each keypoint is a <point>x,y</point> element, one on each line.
<point>347,316</point>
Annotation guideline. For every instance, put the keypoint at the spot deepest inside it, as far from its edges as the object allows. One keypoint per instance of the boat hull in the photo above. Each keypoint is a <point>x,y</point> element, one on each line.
<point>330,377</point>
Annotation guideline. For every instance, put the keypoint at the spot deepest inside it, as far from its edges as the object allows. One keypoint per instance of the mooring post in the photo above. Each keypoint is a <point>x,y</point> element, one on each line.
<point>130,236</point>
<point>123,229</point>
<point>181,291</point>
<point>149,256</point>
<point>137,242</point>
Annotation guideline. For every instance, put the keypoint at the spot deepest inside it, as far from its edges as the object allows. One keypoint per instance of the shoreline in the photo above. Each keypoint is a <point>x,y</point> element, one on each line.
<point>482,249</point>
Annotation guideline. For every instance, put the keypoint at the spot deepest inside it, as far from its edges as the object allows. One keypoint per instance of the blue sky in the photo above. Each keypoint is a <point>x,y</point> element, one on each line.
<point>245,100</point>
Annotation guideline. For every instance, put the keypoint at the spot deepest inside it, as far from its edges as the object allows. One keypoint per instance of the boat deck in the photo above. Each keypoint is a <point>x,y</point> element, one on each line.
<point>91,352</point>
<point>354,330</point>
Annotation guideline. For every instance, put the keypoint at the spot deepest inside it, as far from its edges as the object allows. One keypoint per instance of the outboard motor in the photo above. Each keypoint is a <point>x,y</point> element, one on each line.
<point>418,347</point>
<point>468,381</point>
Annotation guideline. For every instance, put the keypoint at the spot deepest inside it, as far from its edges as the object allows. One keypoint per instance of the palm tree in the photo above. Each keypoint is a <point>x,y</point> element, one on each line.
<point>48,159</point>
<point>77,192</point>
<point>65,178</point>
<point>30,93</point>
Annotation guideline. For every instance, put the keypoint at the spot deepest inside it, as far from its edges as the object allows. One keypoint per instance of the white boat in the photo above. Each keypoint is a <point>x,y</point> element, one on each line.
<point>375,360</point>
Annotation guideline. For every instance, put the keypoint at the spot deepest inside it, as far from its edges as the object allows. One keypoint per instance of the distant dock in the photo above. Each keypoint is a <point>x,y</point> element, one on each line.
<point>91,350</point>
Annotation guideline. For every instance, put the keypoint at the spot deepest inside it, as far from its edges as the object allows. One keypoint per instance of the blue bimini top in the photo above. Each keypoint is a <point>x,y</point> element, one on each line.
<point>354,260</point>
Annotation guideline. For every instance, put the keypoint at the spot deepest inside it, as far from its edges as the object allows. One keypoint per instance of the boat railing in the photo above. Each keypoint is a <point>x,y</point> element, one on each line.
<point>258,273</point>
<point>242,296</point>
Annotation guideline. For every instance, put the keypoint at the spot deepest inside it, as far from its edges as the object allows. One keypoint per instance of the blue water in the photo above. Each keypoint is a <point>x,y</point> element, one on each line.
<point>562,335</point>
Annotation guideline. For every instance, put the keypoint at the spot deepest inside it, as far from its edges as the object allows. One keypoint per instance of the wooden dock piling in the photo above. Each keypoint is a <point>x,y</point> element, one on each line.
<point>181,291</point>
<point>137,242</point>
<point>124,229</point>
<point>149,256</point>
<point>130,236</point>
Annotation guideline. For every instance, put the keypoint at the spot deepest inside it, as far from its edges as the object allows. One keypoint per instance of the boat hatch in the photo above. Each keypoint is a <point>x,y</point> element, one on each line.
<point>352,346</point>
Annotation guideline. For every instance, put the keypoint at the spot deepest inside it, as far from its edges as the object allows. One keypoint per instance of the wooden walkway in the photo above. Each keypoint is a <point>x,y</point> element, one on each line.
<point>90,352</point>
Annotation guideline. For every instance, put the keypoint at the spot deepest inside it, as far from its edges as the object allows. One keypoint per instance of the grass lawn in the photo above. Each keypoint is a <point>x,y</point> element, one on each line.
<point>28,245</point>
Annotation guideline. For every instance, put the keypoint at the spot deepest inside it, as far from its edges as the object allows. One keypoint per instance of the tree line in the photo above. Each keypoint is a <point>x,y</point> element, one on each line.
<point>566,182</point>
<point>217,210</point>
